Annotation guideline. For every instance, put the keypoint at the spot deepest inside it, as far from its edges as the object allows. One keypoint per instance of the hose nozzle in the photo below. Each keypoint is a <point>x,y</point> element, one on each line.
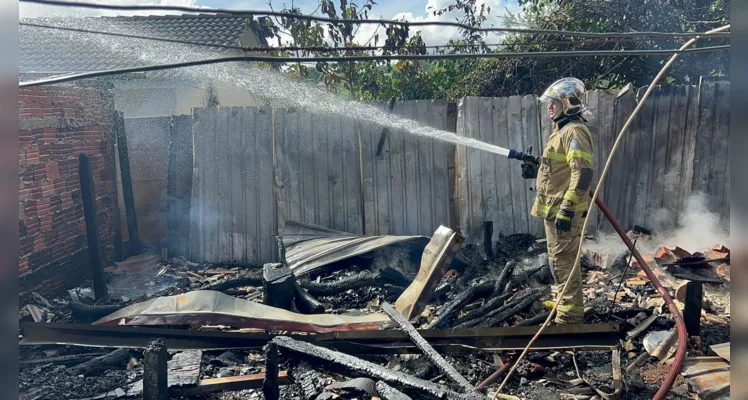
<point>522,156</point>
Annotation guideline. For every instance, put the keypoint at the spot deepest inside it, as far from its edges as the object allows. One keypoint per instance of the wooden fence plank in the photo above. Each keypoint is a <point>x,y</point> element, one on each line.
<point>642,135</point>
<point>718,187</point>
<point>487,167</point>
<point>519,198</point>
<point>369,178</point>
<point>440,167</point>
<point>196,215</point>
<point>397,174</point>
<point>476,160</point>
<point>250,129</point>
<point>321,181</point>
<point>703,154</point>
<point>603,144</point>
<point>266,176</point>
<point>673,179</point>
<point>503,221</point>
<point>212,216</point>
<point>335,173</point>
<point>463,187</point>
<point>595,124</point>
<point>531,137</point>
<point>425,154</point>
<point>694,94</point>
<point>224,184</point>
<point>238,221</point>
<point>351,164</point>
<point>411,186</point>
<point>307,167</point>
<point>656,215</point>
<point>625,106</point>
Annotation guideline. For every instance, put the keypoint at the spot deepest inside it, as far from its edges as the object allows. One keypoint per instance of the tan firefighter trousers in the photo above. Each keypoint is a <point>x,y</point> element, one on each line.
<point>562,251</point>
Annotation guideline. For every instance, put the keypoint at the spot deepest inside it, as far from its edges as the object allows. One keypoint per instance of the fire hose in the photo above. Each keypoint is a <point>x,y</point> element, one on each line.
<point>680,353</point>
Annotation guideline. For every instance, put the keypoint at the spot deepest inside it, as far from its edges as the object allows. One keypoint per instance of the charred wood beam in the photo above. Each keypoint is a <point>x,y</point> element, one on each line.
<point>69,360</point>
<point>270,388</point>
<point>488,239</point>
<point>155,374</point>
<point>387,392</point>
<point>279,284</point>
<point>514,307</point>
<point>446,314</point>
<point>420,368</point>
<point>536,320</point>
<point>363,279</point>
<point>501,283</point>
<point>426,348</point>
<point>692,309</point>
<point>117,358</point>
<point>472,322</point>
<point>356,367</point>
<point>127,192</point>
<point>486,308</point>
<point>305,303</point>
<point>360,342</point>
<point>88,195</point>
<point>91,312</point>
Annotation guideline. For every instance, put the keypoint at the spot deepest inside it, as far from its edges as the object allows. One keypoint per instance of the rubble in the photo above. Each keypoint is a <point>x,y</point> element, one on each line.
<point>474,313</point>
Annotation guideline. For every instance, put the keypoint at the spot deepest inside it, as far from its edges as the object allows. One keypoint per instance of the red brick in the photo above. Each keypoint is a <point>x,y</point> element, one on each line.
<point>52,169</point>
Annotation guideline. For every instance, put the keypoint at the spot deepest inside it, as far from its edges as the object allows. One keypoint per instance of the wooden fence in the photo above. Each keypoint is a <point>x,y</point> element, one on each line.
<point>676,146</point>
<point>256,167</point>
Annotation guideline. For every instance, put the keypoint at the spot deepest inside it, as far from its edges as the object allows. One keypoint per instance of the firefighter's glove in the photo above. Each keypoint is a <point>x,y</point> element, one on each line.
<point>563,220</point>
<point>530,169</point>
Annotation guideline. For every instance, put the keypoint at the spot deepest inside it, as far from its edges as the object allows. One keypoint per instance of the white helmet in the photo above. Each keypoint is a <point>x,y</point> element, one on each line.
<point>570,93</point>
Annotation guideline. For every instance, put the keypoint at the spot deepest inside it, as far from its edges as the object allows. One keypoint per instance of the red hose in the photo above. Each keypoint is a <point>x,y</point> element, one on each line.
<point>680,353</point>
<point>496,375</point>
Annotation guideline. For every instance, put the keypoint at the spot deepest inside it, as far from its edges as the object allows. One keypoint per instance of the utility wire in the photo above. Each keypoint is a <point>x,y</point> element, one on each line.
<point>360,21</point>
<point>271,59</point>
<point>322,49</point>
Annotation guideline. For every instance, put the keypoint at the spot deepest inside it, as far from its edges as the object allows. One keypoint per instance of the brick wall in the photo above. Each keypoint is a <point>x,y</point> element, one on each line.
<point>56,125</point>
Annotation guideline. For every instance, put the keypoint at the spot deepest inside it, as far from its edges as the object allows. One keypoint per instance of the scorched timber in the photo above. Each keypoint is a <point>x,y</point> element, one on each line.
<point>429,351</point>
<point>355,367</point>
<point>588,336</point>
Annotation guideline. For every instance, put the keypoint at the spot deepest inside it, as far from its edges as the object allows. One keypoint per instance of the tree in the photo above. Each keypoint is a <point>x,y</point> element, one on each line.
<point>453,79</point>
<point>503,77</point>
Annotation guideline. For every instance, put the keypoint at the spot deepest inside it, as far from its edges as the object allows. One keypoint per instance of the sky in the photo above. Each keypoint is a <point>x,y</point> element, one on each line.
<point>411,10</point>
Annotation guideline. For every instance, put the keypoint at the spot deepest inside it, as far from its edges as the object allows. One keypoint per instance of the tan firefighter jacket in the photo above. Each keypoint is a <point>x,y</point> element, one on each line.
<point>565,172</point>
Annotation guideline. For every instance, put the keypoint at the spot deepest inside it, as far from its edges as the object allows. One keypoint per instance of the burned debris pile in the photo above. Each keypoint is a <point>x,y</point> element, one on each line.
<point>373,317</point>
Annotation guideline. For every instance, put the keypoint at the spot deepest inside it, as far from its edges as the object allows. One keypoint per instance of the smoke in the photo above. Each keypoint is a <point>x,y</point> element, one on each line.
<point>697,228</point>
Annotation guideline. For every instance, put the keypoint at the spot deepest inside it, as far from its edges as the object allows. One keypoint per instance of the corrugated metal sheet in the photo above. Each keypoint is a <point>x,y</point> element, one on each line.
<point>309,247</point>
<point>207,307</point>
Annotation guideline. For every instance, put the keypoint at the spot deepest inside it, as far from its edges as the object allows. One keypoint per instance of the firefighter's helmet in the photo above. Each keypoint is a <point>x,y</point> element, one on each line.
<point>570,93</point>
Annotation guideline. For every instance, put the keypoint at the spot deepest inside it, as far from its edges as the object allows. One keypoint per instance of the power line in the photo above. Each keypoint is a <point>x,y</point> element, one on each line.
<point>360,21</point>
<point>157,67</point>
<point>322,48</point>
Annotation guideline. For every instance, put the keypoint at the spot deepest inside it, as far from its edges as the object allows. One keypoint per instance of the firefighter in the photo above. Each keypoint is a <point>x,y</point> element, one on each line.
<point>564,175</point>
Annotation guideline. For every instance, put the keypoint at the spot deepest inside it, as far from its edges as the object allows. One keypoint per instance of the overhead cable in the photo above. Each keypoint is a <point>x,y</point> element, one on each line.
<point>322,49</point>
<point>413,57</point>
<point>147,7</point>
